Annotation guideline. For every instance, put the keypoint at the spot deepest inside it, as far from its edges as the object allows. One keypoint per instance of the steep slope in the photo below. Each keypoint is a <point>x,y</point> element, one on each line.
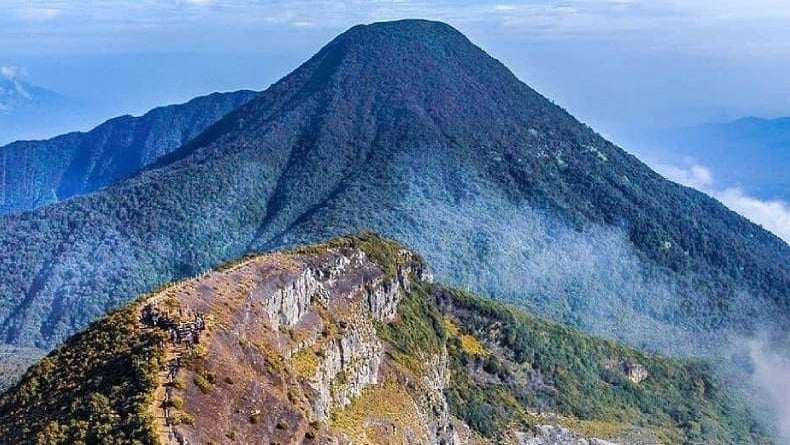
<point>348,342</point>
<point>409,129</point>
<point>13,363</point>
<point>34,173</point>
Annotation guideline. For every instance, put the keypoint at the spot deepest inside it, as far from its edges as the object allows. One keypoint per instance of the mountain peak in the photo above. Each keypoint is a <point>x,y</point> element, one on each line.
<point>411,27</point>
<point>408,129</point>
<point>399,48</point>
<point>413,30</point>
<point>419,75</point>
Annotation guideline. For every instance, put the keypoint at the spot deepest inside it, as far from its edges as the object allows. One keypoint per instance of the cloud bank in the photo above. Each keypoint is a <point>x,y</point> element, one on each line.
<point>771,376</point>
<point>773,216</point>
<point>10,72</point>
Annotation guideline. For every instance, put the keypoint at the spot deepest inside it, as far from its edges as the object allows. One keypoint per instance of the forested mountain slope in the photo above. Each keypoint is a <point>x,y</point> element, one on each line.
<point>34,173</point>
<point>409,129</point>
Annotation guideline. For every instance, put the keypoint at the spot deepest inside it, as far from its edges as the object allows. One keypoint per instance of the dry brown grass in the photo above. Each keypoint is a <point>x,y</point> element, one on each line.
<point>384,414</point>
<point>469,343</point>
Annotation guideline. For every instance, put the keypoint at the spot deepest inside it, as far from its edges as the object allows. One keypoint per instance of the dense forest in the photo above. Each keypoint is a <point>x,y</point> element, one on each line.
<point>409,129</point>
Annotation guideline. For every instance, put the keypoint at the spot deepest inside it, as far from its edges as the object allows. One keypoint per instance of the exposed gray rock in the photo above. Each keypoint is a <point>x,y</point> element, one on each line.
<point>555,435</point>
<point>287,305</point>
<point>350,364</point>
<point>435,410</point>
<point>635,372</point>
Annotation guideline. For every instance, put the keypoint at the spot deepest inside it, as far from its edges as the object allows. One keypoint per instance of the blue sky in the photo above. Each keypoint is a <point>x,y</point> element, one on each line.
<point>622,66</point>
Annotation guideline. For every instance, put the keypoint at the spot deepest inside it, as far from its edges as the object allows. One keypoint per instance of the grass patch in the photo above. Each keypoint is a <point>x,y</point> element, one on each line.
<point>469,343</point>
<point>388,400</point>
<point>305,363</point>
<point>203,384</point>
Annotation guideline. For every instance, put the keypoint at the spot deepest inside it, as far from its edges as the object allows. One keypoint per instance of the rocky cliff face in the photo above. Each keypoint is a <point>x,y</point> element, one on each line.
<point>291,341</point>
<point>555,435</point>
<point>344,343</point>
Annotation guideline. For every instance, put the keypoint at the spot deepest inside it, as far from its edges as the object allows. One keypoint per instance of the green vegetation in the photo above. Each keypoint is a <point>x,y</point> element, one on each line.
<point>418,331</point>
<point>388,400</point>
<point>305,363</point>
<point>491,182</point>
<point>470,345</point>
<point>95,389</point>
<point>534,366</point>
<point>203,384</point>
<point>550,367</point>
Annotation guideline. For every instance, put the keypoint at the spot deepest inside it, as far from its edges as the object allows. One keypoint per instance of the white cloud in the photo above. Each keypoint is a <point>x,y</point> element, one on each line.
<point>10,72</point>
<point>658,23</point>
<point>772,376</point>
<point>36,14</point>
<point>696,176</point>
<point>772,215</point>
<point>303,23</point>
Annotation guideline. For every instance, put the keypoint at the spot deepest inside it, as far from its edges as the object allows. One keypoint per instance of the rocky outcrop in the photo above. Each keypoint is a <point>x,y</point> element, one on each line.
<point>286,306</point>
<point>635,372</point>
<point>383,299</point>
<point>296,334</point>
<point>555,435</point>
<point>384,295</point>
<point>349,364</point>
<point>434,407</point>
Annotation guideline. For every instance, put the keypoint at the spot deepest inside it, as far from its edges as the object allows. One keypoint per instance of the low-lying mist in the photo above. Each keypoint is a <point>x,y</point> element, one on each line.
<point>770,378</point>
<point>592,277</point>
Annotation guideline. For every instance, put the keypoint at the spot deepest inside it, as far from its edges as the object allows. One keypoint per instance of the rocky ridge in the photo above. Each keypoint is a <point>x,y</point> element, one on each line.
<point>305,327</point>
<point>348,342</point>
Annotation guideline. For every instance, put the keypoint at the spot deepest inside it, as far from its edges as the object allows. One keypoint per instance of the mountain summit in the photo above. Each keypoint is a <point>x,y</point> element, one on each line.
<point>409,129</point>
<point>17,95</point>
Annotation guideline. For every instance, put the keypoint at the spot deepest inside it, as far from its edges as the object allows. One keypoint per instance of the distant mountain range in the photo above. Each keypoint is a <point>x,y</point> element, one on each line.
<point>34,173</point>
<point>750,153</point>
<point>28,109</point>
<point>18,96</point>
<point>409,129</point>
